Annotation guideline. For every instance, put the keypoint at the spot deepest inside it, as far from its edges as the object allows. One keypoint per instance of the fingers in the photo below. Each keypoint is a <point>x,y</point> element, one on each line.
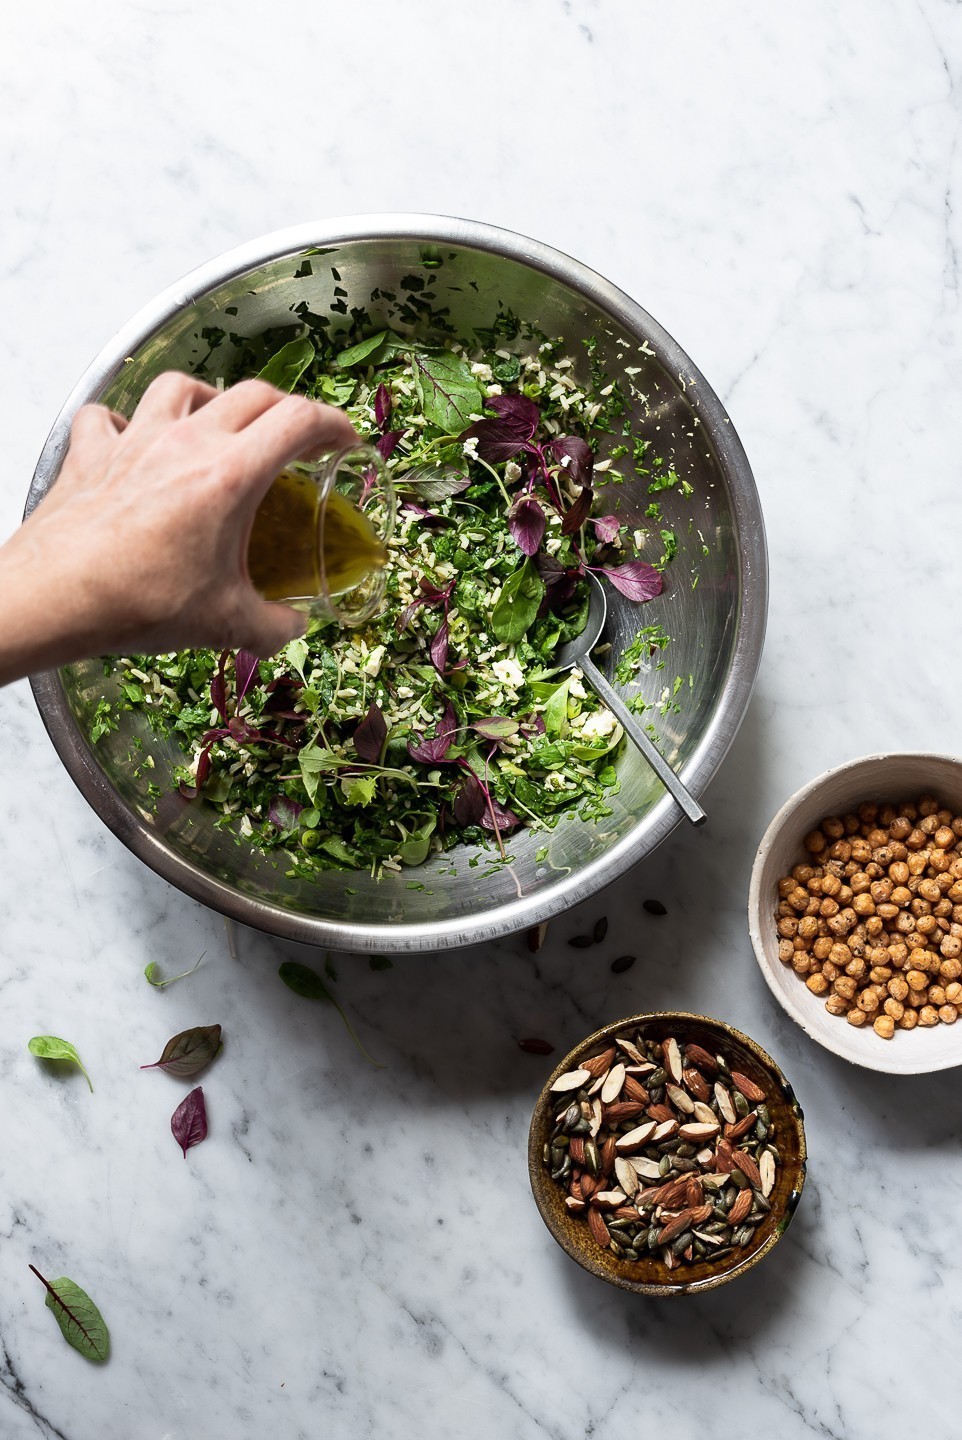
<point>172,396</point>
<point>237,407</point>
<point>269,627</point>
<point>95,423</point>
<point>293,429</point>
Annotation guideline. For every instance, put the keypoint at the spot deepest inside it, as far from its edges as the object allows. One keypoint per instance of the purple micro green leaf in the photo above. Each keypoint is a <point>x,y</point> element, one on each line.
<point>188,1052</point>
<point>370,735</point>
<point>636,579</point>
<point>496,727</point>
<point>497,818</point>
<point>470,803</point>
<point>283,812</point>
<point>439,647</point>
<point>242,730</point>
<point>576,516</point>
<point>526,522</point>
<point>574,456</point>
<point>218,686</point>
<point>188,1124</point>
<point>382,406</point>
<point>245,670</point>
<point>434,750</point>
<point>606,528</point>
<point>388,443</point>
<point>501,439</point>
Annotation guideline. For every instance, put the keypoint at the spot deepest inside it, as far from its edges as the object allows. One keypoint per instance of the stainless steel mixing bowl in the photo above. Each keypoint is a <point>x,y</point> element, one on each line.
<point>462,272</point>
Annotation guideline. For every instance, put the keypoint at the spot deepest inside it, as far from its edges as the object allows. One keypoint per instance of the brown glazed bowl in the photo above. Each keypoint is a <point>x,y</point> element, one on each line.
<point>652,1276</point>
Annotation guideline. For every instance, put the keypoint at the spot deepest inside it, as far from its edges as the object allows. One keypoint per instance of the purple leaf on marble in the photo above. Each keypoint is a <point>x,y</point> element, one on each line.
<point>188,1124</point>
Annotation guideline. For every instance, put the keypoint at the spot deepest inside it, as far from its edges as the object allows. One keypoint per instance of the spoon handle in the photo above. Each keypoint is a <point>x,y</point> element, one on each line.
<point>658,763</point>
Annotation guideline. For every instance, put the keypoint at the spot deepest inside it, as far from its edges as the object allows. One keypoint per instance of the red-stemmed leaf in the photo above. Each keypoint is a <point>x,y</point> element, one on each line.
<point>245,670</point>
<point>496,727</point>
<point>606,528</point>
<point>636,579</point>
<point>577,514</point>
<point>574,456</point>
<point>439,647</point>
<point>283,812</point>
<point>382,406</point>
<point>526,522</point>
<point>189,1051</point>
<point>188,1124</point>
<point>433,751</point>
<point>497,817</point>
<point>370,735</point>
<point>501,438</point>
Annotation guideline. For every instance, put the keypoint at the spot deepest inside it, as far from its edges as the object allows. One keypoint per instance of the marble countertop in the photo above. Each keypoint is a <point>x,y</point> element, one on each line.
<point>354,1252</point>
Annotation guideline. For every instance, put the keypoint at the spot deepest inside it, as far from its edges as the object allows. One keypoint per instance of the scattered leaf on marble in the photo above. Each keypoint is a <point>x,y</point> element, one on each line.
<point>306,982</point>
<point>81,1323</point>
<point>49,1047</point>
<point>188,1124</point>
<point>187,1053</point>
<point>151,974</point>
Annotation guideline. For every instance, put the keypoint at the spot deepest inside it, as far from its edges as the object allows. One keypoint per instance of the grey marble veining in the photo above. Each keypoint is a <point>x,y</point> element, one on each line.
<point>354,1251</point>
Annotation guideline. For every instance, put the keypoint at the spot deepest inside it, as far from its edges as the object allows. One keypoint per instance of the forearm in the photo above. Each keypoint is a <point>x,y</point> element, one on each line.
<point>46,614</point>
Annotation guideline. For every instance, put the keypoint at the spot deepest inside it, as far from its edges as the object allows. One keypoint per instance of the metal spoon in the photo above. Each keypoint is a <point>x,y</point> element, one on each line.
<point>578,652</point>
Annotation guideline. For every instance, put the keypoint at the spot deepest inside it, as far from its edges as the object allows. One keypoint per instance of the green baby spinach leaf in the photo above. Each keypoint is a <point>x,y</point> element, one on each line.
<point>285,368</point>
<point>363,350</point>
<point>308,984</point>
<point>518,604</point>
<point>81,1323</point>
<point>49,1047</point>
<point>189,1051</point>
<point>448,392</point>
<point>555,713</point>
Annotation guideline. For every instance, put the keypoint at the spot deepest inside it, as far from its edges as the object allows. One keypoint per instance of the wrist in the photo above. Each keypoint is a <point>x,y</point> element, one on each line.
<point>49,614</point>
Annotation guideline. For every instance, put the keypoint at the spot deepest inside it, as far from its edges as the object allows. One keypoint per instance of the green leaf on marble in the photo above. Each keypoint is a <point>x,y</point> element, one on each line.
<point>51,1047</point>
<point>81,1323</point>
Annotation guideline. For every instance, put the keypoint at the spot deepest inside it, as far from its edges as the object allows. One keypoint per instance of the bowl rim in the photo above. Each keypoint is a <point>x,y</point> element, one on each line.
<point>723,723</point>
<point>536,1164</point>
<point>795,1006</point>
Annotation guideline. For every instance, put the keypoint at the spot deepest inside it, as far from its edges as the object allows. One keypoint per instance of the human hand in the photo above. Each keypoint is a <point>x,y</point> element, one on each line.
<point>141,544</point>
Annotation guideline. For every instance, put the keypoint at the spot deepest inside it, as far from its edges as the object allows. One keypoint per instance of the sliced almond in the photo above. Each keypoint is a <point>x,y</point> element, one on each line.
<point>672,1058</point>
<point>614,1080</point>
<point>595,1123</point>
<point>697,1131</point>
<point>714,1182</point>
<point>695,1083</point>
<point>706,1156</point>
<point>632,1050</point>
<point>748,1088</point>
<point>598,1228</point>
<point>635,1139</point>
<point>680,1099</point>
<point>695,1055</point>
<point>609,1199</point>
<point>664,1131</point>
<point>709,1239</point>
<point>706,1114</point>
<point>574,1204</point>
<point>766,1169</point>
<point>571,1080</point>
<point>643,1069</point>
<point>596,1085</point>
<point>740,1207</point>
<point>725,1105</point>
<point>645,1168</point>
<point>626,1175</point>
<point>599,1064</point>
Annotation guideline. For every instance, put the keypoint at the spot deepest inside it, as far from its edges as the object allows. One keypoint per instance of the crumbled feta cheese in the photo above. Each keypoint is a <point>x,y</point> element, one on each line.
<point>483,372</point>
<point>554,780</point>
<point>470,448</point>
<point>372,665</point>
<point>599,725</point>
<point>576,688</point>
<point>639,539</point>
<point>509,672</point>
<point>512,472</point>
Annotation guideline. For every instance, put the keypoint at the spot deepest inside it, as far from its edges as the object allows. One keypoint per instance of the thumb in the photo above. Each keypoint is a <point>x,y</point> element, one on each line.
<point>269,627</point>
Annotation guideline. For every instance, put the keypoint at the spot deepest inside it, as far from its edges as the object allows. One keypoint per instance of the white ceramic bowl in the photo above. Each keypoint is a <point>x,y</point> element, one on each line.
<point>883,778</point>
